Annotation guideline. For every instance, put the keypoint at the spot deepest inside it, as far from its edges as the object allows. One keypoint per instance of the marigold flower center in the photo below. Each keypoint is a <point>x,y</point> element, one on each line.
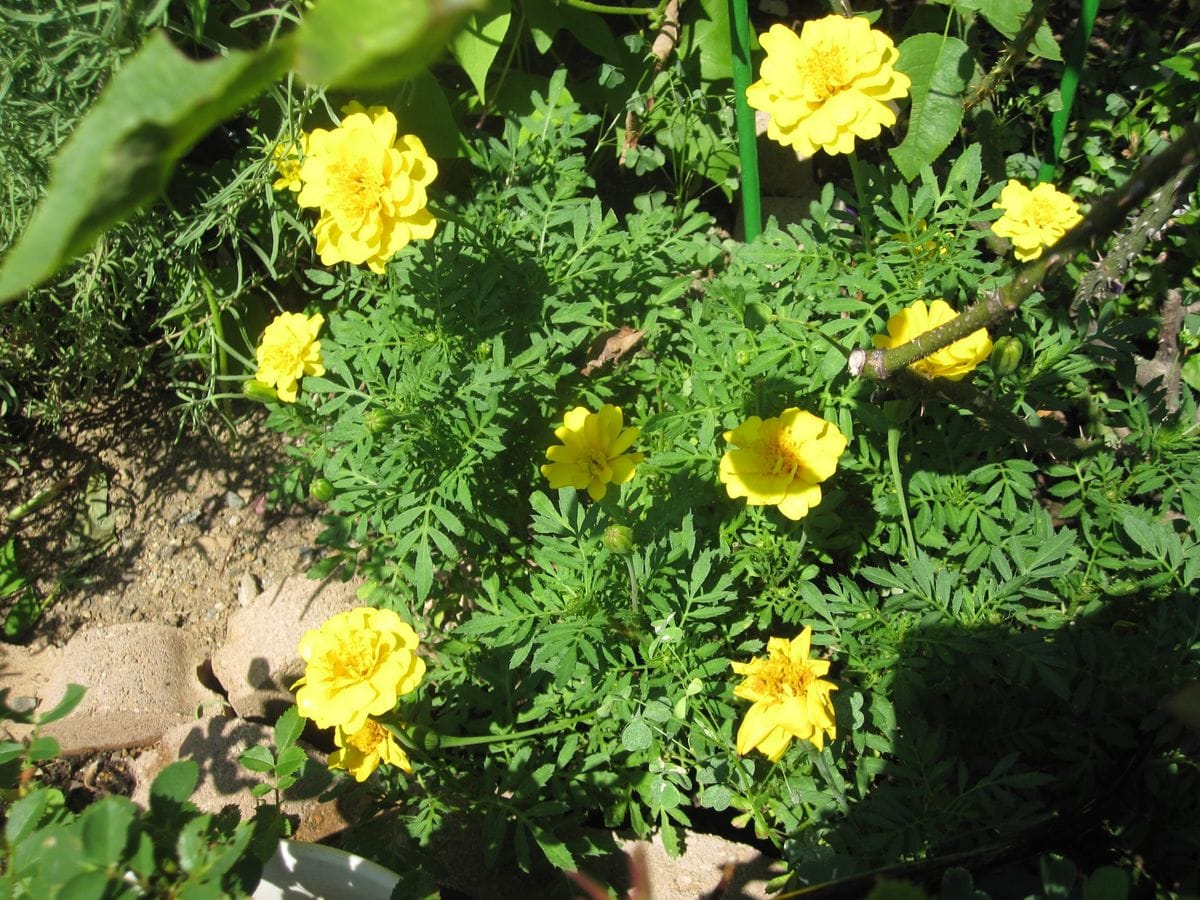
<point>356,658</point>
<point>597,462</point>
<point>1044,213</point>
<point>826,71</point>
<point>783,679</point>
<point>358,188</point>
<point>368,738</point>
<point>782,455</point>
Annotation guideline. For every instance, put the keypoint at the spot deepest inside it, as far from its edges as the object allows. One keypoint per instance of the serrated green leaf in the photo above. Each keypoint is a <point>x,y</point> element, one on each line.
<point>257,759</point>
<point>476,46</point>
<point>288,727</point>
<point>365,43</point>
<point>155,108</point>
<point>105,826</point>
<point>24,816</point>
<point>940,68</point>
<point>176,782</point>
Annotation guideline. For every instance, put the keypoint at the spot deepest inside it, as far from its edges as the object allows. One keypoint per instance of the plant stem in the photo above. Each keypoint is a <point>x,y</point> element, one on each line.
<point>1076,51</point>
<point>633,588</point>
<point>218,334</point>
<point>613,10</point>
<point>739,44</point>
<point>446,741</point>
<point>1013,55</point>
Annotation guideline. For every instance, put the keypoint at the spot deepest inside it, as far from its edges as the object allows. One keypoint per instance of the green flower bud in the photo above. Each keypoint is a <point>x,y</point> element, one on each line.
<point>757,316</point>
<point>256,390</point>
<point>1006,355</point>
<point>618,539</point>
<point>379,421</point>
<point>321,489</point>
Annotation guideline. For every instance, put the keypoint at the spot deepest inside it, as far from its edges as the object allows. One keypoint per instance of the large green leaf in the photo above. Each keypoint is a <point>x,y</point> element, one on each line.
<point>476,46</point>
<point>157,106</point>
<point>366,43</point>
<point>940,68</point>
<point>1007,17</point>
<point>707,37</point>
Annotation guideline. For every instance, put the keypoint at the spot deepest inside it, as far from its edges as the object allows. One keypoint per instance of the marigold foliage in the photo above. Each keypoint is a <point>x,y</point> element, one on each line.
<point>828,85</point>
<point>369,184</point>
<point>592,453</point>
<point>1034,219</point>
<point>782,461</point>
<point>790,698</point>
<point>289,350</point>
<point>952,362</point>
<point>357,664</point>
<point>360,752</point>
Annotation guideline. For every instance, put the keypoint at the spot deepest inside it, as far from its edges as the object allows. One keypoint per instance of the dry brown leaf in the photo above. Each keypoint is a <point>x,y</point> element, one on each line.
<point>610,347</point>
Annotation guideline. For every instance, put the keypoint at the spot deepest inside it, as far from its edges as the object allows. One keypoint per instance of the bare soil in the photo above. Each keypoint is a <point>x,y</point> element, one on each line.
<point>149,525</point>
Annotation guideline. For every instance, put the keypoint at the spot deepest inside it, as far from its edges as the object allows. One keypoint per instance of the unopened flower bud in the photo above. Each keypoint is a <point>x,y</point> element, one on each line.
<point>321,489</point>
<point>1006,355</point>
<point>258,391</point>
<point>379,421</point>
<point>618,539</point>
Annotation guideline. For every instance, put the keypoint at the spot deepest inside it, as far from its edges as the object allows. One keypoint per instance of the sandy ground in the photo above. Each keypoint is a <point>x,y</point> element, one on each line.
<point>145,526</point>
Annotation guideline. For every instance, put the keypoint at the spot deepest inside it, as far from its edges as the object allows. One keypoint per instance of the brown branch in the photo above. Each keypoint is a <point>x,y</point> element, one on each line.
<point>1104,217</point>
<point>1166,363</point>
<point>1094,287</point>
<point>1012,56</point>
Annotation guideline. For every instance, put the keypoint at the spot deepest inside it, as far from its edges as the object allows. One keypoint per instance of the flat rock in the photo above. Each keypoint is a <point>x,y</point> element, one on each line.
<point>141,679</point>
<point>710,866</point>
<point>258,663</point>
<point>23,676</point>
<point>214,743</point>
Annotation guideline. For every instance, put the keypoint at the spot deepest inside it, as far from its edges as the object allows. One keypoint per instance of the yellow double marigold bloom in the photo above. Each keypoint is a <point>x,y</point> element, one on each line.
<point>828,85</point>
<point>360,752</point>
<point>782,461</point>
<point>952,362</point>
<point>369,184</point>
<point>289,350</point>
<point>791,699</point>
<point>592,454</point>
<point>357,664</point>
<point>1034,219</point>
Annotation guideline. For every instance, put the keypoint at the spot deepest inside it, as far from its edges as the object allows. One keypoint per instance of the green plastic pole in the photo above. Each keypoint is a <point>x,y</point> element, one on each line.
<point>739,44</point>
<point>1076,51</point>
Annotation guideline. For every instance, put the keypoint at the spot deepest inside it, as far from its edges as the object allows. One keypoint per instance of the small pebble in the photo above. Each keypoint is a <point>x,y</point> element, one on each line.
<point>188,517</point>
<point>233,500</point>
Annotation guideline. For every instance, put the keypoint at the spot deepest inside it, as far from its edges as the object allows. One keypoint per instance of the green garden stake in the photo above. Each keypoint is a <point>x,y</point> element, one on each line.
<point>1076,51</point>
<point>739,43</point>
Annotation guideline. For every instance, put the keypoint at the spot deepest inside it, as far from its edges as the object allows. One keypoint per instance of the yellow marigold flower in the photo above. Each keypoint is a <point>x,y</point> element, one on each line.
<point>828,85</point>
<point>1034,219</point>
<point>360,752</point>
<point>951,362</point>
<point>358,663</point>
<point>790,698</point>
<point>286,158</point>
<point>369,184</point>
<point>289,350</point>
<point>782,461</point>
<point>592,453</point>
